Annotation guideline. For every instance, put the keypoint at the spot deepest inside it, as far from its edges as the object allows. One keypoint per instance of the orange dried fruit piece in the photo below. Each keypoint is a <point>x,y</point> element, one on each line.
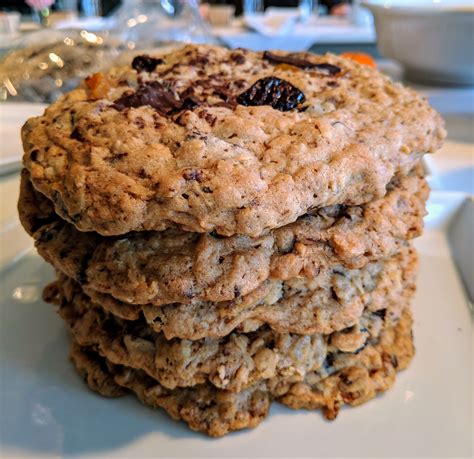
<point>361,58</point>
<point>98,85</point>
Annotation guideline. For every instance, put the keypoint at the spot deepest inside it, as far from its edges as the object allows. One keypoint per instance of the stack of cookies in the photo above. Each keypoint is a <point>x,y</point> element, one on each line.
<point>231,228</point>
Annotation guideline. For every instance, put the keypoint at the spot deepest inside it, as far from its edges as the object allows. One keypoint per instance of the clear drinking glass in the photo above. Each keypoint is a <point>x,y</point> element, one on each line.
<point>143,24</point>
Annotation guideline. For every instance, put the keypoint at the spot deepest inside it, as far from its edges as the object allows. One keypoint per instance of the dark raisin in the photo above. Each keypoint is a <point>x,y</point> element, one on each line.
<point>145,63</point>
<point>300,63</point>
<point>206,189</point>
<point>273,91</point>
<point>381,313</point>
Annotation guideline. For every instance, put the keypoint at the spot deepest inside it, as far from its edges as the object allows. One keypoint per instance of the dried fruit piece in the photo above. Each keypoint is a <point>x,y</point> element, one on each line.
<point>361,58</point>
<point>145,63</point>
<point>278,93</point>
<point>300,62</point>
<point>99,86</point>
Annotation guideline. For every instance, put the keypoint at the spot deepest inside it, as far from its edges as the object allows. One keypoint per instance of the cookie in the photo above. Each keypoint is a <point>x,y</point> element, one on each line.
<point>233,362</point>
<point>295,306</point>
<point>231,141</point>
<point>175,266</point>
<point>350,379</point>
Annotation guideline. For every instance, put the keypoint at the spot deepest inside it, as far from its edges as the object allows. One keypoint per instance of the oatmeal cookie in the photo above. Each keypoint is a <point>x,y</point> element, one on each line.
<point>233,362</point>
<point>174,266</point>
<point>208,139</point>
<point>298,305</point>
<point>350,379</point>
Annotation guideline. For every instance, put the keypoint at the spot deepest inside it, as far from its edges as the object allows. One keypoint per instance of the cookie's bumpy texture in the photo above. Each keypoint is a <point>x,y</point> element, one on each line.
<point>176,147</point>
<point>233,362</point>
<point>174,266</point>
<point>305,306</point>
<point>350,379</point>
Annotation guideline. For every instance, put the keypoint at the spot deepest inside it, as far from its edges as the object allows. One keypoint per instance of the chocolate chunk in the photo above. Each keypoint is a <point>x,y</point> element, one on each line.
<point>76,135</point>
<point>189,100</point>
<point>273,91</point>
<point>237,58</point>
<point>236,291</point>
<point>153,94</point>
<point>300,63</point>
<point>159,97</point>
<point>345,379</point>
<point>381,313</point>
<point>394,360</point>
<point>145,63</point>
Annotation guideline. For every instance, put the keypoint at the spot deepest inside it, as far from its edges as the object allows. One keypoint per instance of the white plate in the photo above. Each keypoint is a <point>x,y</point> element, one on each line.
<point>12,117</point>
<point>46,410</point>
<point>452,167</point>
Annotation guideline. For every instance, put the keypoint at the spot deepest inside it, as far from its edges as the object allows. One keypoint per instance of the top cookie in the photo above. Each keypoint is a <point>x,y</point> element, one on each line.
<point>208,139</point>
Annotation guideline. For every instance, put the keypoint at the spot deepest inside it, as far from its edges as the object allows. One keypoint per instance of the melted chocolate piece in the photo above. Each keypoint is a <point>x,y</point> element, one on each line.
<point>300,63</point>
<point>153,94</point>
<point>273,91</point>
<point>159,97</point>
<point>145,63</point>
<point>189,100</point>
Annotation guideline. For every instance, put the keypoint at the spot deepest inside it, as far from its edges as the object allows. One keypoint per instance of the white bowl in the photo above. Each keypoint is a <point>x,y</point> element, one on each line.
<point>432,39</point>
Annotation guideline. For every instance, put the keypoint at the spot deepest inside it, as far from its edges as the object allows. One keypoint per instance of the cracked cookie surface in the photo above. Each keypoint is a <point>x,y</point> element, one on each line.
<point>233,362</point>
<point>174,266</point>
<point>350,379</point>
<point>137,150</point>
<point>303,306</point>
